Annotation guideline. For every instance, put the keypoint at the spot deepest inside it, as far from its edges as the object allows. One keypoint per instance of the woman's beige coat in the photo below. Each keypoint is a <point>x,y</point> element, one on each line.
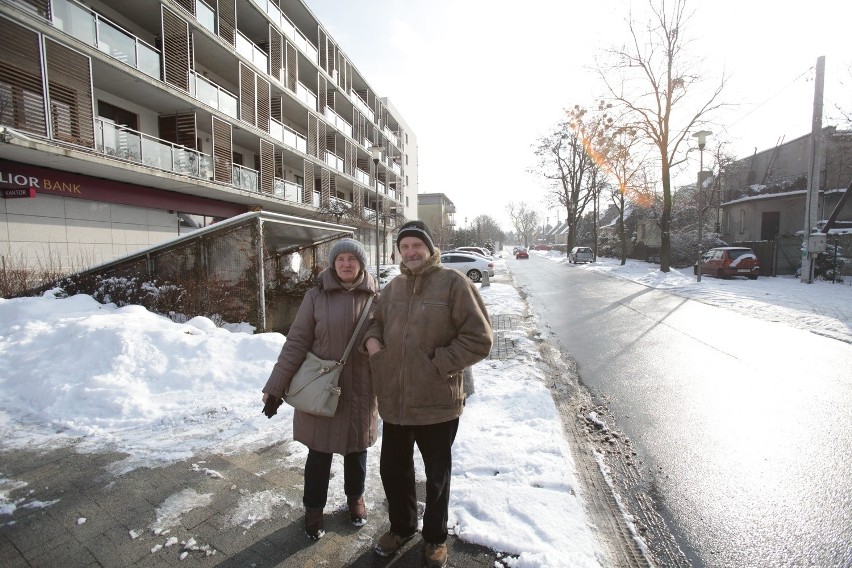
<point>324,324</point>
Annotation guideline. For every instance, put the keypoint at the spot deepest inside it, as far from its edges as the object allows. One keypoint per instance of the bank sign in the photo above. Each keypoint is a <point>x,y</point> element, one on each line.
<point>19,192</point>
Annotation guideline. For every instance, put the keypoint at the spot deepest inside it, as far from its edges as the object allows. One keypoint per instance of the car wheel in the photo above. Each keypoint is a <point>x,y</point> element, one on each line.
<point>720,274</point>
<point>474,275</point>
<point>753,277</point>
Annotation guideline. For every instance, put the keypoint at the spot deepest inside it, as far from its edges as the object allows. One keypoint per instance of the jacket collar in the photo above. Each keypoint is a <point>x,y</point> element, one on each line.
<point>430,264</point>
<point>328,281</point>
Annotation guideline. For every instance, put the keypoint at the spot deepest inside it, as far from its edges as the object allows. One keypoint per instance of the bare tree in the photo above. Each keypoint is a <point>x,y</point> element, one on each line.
<point>487,231</point>
<point>566,157</point>
<point>650,80</point>
<point>524,220</point>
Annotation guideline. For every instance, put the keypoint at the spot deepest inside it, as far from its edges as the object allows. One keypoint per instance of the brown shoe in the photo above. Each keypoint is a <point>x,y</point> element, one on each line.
<point>313,524</point>
<point>389,543</point>
<point>357,511</point>
<point>436,554</point>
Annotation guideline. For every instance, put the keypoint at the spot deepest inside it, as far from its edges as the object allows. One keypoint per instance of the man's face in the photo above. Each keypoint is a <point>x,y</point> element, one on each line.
<point>413,252</point>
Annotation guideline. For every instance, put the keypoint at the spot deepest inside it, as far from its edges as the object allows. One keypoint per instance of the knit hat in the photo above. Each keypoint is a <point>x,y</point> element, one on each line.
<point>419,229</point>
<point>348,245</point>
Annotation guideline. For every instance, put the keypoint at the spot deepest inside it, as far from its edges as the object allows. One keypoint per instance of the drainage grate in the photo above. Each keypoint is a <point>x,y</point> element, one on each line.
<point>503,347</point>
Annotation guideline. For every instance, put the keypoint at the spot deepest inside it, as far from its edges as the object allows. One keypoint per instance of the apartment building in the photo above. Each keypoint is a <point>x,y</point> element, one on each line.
<point>439,212</point>
<point>126,124</point>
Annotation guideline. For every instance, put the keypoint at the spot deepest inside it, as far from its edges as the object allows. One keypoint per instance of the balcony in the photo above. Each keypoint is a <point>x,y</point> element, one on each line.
<point>306,96</point>
<point>359,103</point>
<point>290,30</point>
<point>391,136</point>
<point>254,54</point>
<point>334,161</point>
<point>244,178</point>
<point>126,144</point>
<point>89,27</point>
<point>205,15</point>
<point>212,94</point>
<point>288,136</point>
<point>287,190</point>
<point>338,121</point>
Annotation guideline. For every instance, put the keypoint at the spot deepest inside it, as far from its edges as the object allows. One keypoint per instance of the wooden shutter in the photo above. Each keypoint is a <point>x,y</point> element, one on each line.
<point>69,88</point>
<point>349,155</point>
<point>277,65</point>
<point>188,5</point>
<point>322,141</point>
<point>325,187</point>
<point>176,57</point>
<point>21,91</point>
<point>267,167</point>
<point>292,66</point>
<point>308,190</point>
<point>179,128</point>
<point>248,91</point>
<point>263,103</point>
<point>227,14</point>
<point>222,153</point>
<point>312,134</point>
<point>322,93</point>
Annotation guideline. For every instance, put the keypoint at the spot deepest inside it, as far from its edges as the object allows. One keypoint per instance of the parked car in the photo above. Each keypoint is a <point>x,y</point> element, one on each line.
<point>581,254</point>
<point>472,265</point>
<point>478,250</point>
<point>516,249</point>
<point>725,262</point>
<point>522,253</point>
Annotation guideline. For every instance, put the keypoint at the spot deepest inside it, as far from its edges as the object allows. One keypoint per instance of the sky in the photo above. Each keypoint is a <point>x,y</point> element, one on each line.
<point>100,378</point>
<point>480,82</point>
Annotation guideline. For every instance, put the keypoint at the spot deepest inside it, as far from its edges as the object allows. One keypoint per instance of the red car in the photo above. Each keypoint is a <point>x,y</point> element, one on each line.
<point>522,253</point>
<point>725,262</point>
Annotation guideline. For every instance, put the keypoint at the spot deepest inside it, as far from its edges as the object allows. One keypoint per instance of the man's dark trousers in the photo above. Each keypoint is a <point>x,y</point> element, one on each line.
<point>435,442</point>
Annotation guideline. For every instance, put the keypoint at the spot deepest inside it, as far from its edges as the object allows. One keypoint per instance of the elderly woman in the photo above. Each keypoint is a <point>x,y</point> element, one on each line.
<point>324,324</point>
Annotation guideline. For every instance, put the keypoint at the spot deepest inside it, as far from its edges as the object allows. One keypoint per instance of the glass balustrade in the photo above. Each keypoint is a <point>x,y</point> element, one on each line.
<point>315,199</point>
<point>287,190</point>
<point>205,15</point>
<point>250,51</point>
<point>288,136</point>
<point>91,28</point>
<point>212,94</point>
<point>244,178</point>
<point>131,145</point>
<point>306,96</point>
<point>362,176</point>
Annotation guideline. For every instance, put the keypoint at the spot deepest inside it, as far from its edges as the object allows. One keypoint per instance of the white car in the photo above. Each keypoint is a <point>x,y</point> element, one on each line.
<point>478,250</point>
<point>472,265</point>
<point>581,254</point>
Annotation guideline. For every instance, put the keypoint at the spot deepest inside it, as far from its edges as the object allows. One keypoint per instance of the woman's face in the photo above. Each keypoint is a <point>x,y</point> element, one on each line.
<point>347,267</point>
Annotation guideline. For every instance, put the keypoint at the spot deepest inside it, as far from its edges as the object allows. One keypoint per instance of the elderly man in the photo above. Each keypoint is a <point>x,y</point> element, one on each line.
<point>429,326</point>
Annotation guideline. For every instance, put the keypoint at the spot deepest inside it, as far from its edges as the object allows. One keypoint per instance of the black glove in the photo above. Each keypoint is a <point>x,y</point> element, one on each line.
<point>271,406</point>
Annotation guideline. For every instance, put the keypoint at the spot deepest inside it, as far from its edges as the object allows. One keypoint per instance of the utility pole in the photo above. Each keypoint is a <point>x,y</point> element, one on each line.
<point>810,245</point>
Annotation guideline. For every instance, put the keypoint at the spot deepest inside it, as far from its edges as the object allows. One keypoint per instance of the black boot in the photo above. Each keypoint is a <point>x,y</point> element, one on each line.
<point>313,524</point>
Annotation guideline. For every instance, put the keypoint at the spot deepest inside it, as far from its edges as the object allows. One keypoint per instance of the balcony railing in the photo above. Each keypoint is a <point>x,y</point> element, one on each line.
<point>95,30</point>
<point>244,178</point>
<point>359,103</point>
<point>288,136</point>
<point>290,30</point>
<point>316,199</point>
<point>250,51</point>
<point>334,161</point>
<point>306,96</point>
<point>205,15</point>
<point>212,94</point>
<point>287,190</point>
<point>133,146</point>
<point>338,121</point>
<point>391,136</point>
<point>362,176</point>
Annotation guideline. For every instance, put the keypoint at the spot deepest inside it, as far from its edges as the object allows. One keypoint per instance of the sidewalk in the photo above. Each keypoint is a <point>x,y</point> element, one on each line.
<point>129,521</point>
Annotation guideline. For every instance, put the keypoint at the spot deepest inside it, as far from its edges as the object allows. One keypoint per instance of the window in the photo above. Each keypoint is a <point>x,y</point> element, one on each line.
<point>742,220</point>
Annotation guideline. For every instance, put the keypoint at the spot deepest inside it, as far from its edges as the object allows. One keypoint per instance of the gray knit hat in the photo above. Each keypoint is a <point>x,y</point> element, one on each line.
<point>348,245</point>
<point>419,229</point>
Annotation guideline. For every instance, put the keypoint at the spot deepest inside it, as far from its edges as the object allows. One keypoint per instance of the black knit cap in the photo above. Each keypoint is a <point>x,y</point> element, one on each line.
<point>419,229</point>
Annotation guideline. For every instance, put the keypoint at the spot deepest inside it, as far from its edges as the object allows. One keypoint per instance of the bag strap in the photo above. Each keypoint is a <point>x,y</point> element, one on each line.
<point>364,314</point>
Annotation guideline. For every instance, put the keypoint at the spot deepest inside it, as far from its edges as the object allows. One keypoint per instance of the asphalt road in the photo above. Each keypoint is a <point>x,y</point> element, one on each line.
<point>732,436</point>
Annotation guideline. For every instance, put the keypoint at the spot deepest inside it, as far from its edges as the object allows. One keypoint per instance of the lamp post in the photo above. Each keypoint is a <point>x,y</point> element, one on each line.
<point>376,153</point>
<point>702,140</point>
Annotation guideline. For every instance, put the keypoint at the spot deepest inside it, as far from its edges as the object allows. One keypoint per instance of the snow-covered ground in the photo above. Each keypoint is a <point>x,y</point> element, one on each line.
<point>101,378</point>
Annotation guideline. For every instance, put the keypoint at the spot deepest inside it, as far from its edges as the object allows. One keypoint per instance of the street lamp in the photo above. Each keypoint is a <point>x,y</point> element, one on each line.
<point>376,153</point>
<point>702,139</point>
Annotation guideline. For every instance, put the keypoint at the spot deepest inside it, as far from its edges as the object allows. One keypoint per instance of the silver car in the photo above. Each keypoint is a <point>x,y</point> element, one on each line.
<point>468,263</point>
<point>581,254</point>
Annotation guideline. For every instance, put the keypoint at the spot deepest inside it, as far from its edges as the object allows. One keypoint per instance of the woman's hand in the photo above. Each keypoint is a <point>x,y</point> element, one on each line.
<point>373,346</point>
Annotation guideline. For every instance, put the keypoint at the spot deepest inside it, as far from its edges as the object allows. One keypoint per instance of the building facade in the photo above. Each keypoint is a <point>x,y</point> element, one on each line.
<point>437,211</point>
<point>124,124</point>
